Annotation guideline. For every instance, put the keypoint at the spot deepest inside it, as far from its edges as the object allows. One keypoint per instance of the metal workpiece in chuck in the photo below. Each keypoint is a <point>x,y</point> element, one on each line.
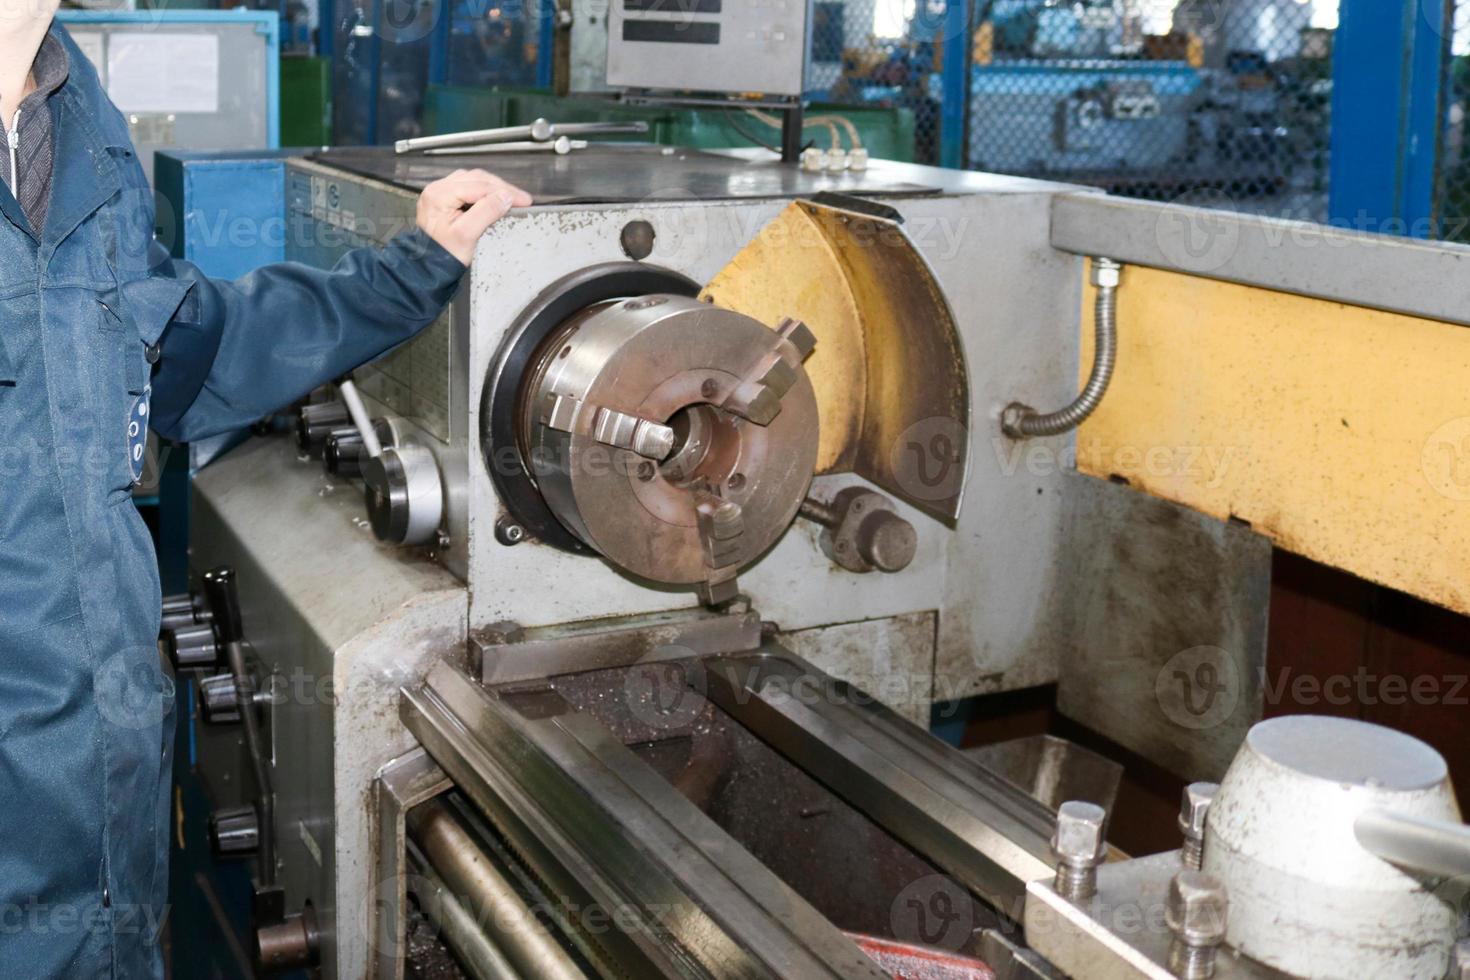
<point>675,438</point>
<point>404,495</point>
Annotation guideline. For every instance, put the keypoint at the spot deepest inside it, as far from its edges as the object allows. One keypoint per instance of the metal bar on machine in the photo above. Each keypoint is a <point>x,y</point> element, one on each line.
<point>460,928</point>
<point>633,841</point>
<point>492,901</point>
<point>988,834</point>
<point>1399,275</point>
<point>540,131</point>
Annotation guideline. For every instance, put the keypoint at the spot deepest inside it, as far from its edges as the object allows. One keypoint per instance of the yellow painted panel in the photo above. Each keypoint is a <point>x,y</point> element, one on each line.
<point>791,269</point>
<point>1341,433</point>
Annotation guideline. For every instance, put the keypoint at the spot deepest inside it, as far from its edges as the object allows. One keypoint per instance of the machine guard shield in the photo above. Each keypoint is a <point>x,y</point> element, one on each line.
<point>889,367</point>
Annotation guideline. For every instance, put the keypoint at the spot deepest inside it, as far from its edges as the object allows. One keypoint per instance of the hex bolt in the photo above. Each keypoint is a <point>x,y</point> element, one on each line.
<point>1079,846</point>
<point>1192,813</point>
<point>1196,913</point>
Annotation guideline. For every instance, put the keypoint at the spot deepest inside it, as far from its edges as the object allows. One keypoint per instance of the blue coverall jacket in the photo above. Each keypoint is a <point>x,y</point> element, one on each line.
<point>102,336</point>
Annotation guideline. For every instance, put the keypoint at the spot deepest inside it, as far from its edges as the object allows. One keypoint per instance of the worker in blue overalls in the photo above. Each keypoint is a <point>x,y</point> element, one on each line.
<point>103,337</point>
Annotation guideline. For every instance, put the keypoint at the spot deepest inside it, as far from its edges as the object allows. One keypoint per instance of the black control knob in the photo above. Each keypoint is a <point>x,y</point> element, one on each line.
<point>234,831</point>
<point>219,699</point>
<point>192,647</point>
<point>183,619</point>
<point>315,422</point>
<point>341,456</point>
<point>181,602</point>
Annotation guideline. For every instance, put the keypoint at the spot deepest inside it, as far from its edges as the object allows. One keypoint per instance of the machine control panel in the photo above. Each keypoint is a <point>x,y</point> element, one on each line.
<point>709,45</point>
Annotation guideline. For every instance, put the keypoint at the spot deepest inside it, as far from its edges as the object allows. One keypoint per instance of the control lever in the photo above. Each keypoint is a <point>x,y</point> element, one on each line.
<point>540,131</point>
<point>224,600</point>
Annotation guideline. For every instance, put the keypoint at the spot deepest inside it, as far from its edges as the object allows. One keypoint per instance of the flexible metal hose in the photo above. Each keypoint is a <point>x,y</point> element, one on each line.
<point>1023,422</point>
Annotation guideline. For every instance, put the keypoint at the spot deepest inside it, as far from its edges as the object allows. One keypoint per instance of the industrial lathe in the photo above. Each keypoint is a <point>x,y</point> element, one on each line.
<point>596,631</point>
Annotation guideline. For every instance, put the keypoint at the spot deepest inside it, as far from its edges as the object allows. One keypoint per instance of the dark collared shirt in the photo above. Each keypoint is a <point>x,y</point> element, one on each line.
<point>35,145</point>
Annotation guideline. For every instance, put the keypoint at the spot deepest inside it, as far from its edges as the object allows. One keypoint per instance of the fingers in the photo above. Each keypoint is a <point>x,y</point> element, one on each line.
<point>464,187</point>
<point>456,210</point>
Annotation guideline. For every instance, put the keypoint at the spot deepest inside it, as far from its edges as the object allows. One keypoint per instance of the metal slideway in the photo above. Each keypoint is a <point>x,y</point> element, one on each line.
<point>602,829</point>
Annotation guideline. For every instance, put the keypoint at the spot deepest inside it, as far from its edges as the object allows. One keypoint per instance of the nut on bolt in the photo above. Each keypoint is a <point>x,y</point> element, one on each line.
<point>1079,845</point>
<point>1106,274</point>
<point>1196,913</point>
<point>1193,810</point>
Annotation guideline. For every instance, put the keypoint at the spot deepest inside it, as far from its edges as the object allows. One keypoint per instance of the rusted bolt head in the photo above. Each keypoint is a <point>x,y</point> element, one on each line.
<point>1197,908</point>
<point>1078,840</point>
<point>1195,807</point>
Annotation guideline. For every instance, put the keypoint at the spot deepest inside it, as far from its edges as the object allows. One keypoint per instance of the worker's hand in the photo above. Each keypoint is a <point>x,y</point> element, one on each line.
<point>456,211</point>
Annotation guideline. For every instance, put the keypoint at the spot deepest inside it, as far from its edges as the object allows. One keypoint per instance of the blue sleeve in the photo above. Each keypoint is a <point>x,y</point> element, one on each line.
<point>237,351</point>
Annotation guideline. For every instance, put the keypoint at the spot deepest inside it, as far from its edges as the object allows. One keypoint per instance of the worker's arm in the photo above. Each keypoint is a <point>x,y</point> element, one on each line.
<point>236,351</point>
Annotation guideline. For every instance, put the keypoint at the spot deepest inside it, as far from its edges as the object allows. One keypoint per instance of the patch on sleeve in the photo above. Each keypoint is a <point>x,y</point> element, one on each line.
<point>138,433</point>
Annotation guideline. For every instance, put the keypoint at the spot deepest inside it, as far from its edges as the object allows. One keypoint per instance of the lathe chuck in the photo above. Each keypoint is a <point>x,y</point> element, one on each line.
<point>675,438</point>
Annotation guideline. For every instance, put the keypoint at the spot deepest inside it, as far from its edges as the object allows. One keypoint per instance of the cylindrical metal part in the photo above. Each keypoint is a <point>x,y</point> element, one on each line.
<point>1434,847</point>
<point>182,602</point>
<point>315,422</point>
<point>675,438</point>
<point>192,647</point>
<point>1079,845</point>
<point>1307,897</point>
<point>341,454</point>
<point>404,495</point>
<point>1194,810</point>
<point>887,541</point>
<point>291,944</point>
<point>218,699</point>
<point>234,831</point>
<point>487,895</point>
<point>1196,912</point>
<point>480,957</point>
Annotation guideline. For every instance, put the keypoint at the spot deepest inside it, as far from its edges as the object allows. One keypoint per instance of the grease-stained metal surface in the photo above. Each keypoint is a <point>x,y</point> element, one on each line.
<point>1163,625</point>
<point>1341,433</point>
<point>896,357</point>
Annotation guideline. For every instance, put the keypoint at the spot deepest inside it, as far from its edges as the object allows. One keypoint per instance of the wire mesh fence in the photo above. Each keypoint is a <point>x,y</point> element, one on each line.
<point>1221,102</point>
<point>1452,191</point>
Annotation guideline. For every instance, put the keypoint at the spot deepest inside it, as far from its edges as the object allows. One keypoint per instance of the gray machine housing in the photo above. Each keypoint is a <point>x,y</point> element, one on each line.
<point>997,602</point>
